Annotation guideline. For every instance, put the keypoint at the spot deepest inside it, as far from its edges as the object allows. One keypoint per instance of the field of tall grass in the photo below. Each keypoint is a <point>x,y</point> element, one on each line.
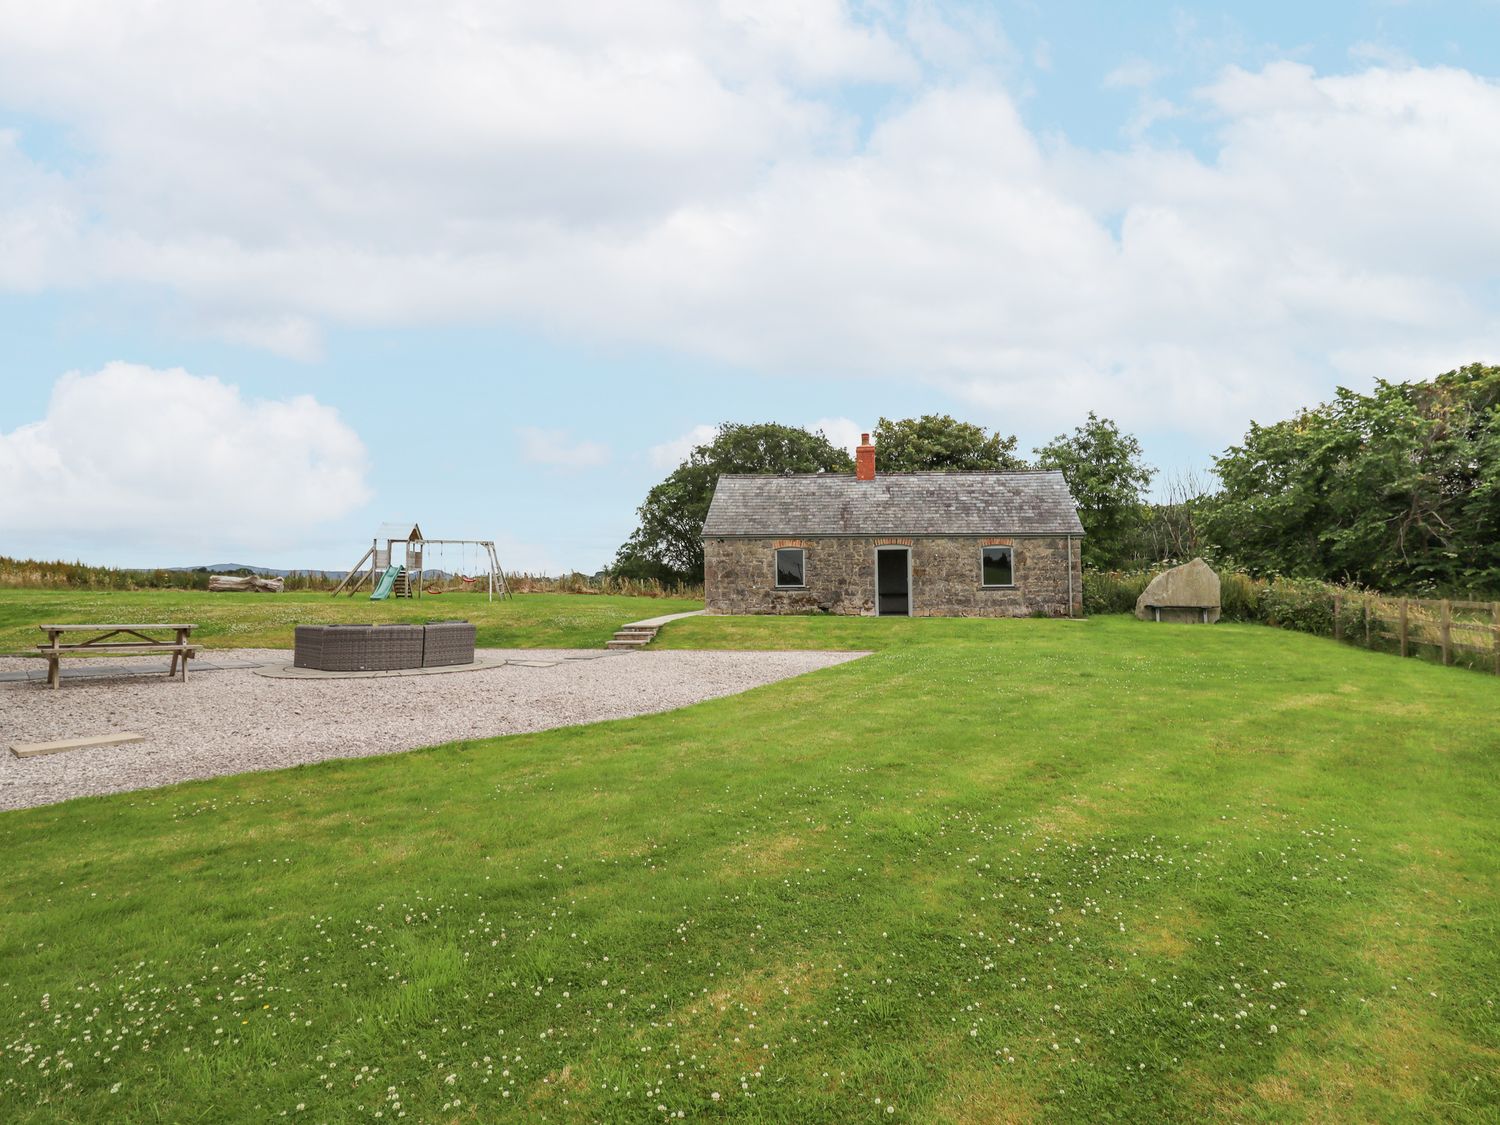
<point>39,574</point>
<point>58,574</point>
<point>602,584</point>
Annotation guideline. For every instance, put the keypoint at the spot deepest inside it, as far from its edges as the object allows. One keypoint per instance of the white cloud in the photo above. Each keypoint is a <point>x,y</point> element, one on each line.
<point>669,454</point>
<point>1133,74</point>
<point>686,176</point>
<point>131,456</point>
<point>38,221</point>
<point>1382,53</point>
<point>519,556</point>
<point>844,433</point>
<point>558,449</point>
<point>295,337</point>
<point>841,432</point>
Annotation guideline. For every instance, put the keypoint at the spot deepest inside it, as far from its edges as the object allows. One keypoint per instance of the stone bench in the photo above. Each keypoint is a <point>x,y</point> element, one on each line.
<point>1197,614</point>
<point>1188,593</point>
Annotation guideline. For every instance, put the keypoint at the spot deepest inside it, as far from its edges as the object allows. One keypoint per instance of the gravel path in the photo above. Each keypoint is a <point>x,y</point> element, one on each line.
<point>233,721</point>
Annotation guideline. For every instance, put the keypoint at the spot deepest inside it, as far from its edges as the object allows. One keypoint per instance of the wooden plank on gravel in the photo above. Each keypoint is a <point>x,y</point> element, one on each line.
<point>36,749</point>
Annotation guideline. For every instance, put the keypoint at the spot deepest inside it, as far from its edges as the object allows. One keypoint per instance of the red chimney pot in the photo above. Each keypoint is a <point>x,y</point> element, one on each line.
<point>864,459</point>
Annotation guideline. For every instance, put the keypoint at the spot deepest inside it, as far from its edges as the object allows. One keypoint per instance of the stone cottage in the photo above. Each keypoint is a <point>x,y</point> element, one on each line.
<point>962,544</point>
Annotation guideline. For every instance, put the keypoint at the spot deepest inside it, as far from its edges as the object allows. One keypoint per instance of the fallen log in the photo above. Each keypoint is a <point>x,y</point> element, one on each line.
<point>254,582</point>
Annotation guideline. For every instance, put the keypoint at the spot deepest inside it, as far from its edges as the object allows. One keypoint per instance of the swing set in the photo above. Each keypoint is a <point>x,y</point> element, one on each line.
<point>442,580</point>
<point>399,563</point>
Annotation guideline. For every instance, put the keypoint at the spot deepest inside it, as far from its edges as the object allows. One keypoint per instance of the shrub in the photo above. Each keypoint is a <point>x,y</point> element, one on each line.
<point>1113,591</point>
<point>1241,596</point>
<point>1303,604</point>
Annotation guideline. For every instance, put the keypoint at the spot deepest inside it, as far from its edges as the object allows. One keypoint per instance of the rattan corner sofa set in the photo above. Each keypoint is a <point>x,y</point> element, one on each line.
<point>378,648</point>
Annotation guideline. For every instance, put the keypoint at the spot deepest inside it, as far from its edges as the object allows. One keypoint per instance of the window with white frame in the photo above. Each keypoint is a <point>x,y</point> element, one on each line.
<point>791,568</point>
<point>996,567</point>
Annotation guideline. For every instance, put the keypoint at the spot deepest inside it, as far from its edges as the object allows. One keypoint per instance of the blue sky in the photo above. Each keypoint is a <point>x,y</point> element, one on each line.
<point>314,270</point>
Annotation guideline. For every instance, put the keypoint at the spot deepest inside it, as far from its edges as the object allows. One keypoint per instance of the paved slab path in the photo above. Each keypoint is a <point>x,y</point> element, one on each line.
<point>234,720</point>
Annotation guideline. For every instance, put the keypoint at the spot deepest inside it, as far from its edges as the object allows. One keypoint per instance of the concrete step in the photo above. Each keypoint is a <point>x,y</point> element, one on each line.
<point>658,622</point>
<point>638,634</point>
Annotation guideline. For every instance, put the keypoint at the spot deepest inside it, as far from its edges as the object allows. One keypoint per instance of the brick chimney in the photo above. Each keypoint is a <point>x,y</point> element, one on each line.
<point>864,459</point>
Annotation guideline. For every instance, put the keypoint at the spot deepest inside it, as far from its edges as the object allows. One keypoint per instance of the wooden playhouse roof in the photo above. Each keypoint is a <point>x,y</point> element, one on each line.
<point>398,529</point>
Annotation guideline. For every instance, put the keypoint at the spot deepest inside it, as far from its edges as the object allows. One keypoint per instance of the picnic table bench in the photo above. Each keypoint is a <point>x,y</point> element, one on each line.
<point>102,642</point>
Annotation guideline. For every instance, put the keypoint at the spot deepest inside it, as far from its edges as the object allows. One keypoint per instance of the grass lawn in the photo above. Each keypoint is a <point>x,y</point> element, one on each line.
<point>245,620</point>
<point>1000,870</point>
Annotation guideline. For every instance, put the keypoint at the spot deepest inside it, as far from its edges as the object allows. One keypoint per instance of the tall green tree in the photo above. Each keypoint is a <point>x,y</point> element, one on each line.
<point>941,442</point>
<point>1397,489</point>
<point>1107,477</point>
<point>667,543</point>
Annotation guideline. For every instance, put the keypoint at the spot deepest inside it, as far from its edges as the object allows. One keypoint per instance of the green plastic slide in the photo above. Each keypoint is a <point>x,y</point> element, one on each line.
<point>383,587</point>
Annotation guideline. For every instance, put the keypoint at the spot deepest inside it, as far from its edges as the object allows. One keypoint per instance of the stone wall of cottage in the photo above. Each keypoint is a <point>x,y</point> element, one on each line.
<point>740,576</point>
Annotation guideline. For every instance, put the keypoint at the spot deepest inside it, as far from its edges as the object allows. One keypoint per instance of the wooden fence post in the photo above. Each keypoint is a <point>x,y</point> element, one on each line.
<point>1367,621</point>
<point>1495,632</point>
<point>1403,625</point>
<point>1338,629</point>
<point>1445,623</point>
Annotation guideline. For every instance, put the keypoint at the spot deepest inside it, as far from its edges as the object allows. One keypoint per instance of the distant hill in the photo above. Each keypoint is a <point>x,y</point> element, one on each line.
<point>264,571</point>
<point>432,575</point>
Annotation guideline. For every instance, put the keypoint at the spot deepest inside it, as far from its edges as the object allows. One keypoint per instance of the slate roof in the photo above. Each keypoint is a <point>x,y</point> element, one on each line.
<point>811,504</point>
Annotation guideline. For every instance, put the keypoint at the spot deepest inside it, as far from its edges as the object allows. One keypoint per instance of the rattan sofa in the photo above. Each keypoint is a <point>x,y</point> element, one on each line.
<point>446,643</point>
<point>377,648</point>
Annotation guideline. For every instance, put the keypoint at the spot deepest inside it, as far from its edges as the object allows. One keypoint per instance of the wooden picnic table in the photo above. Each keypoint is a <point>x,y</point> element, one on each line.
<point>101,640</point>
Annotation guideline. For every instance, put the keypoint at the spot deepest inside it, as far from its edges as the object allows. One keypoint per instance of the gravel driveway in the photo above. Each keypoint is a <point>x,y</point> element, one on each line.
<point>233,720</point>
